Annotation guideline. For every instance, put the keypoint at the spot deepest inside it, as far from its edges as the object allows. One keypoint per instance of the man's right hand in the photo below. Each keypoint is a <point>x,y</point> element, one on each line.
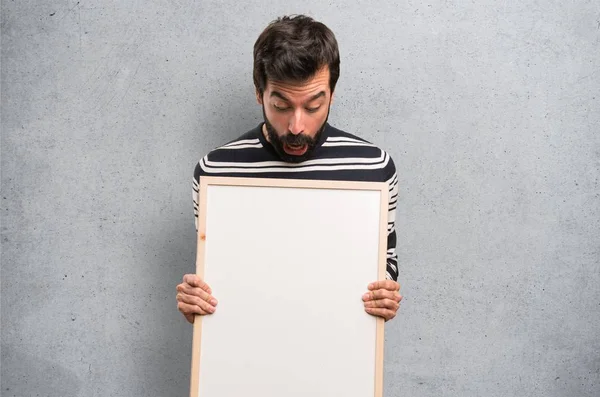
<point>194,297</point>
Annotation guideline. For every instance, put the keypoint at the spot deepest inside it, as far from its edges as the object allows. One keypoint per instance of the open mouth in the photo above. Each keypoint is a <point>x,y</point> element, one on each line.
<point>293,150</point>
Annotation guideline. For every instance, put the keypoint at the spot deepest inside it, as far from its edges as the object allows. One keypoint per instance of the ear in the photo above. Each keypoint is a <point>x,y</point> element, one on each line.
<point>258,97</point>
<point>332,98</point>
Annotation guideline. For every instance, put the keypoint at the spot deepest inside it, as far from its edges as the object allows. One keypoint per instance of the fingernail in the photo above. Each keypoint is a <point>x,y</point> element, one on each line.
<point>371,285</point>
<point>366,296</point>
<point>213,302</point>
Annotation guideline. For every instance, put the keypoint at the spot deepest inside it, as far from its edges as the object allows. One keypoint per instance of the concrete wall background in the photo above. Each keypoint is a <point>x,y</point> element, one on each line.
<point>490,110</point>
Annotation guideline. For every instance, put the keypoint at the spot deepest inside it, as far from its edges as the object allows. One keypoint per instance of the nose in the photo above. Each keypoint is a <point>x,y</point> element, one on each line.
<point>296,123</point>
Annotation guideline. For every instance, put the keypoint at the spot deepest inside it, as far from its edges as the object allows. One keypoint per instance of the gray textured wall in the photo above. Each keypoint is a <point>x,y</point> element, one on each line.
<point>490,109</point>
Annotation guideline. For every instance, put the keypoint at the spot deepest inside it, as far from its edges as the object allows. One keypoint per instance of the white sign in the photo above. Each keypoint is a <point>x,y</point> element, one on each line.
<point>289,261</point>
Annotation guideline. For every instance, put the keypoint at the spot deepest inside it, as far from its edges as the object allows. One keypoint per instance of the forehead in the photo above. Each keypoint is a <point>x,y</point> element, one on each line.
<point>299,91</point>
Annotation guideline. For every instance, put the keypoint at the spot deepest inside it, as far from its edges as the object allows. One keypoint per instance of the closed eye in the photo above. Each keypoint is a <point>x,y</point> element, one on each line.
<point>280,109</point>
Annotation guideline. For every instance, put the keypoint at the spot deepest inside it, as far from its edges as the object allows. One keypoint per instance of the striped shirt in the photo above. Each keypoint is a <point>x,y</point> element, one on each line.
<point>338,155</point>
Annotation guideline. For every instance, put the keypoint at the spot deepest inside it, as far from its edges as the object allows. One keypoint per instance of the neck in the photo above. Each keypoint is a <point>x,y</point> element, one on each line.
<point>265,133</point>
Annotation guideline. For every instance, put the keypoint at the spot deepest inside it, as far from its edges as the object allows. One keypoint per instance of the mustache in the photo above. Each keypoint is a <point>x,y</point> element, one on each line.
<point>297,140</point>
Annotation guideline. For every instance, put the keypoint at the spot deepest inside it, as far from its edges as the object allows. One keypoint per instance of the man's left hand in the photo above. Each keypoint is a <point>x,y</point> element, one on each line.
<point>383,299</point>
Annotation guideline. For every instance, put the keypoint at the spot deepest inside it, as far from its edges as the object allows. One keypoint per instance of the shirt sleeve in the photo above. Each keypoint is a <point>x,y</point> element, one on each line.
<point>392,256</point>
<point>196,193</point>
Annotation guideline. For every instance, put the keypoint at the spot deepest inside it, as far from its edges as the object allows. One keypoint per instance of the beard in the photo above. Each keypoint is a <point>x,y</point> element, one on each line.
<point>278,142</point>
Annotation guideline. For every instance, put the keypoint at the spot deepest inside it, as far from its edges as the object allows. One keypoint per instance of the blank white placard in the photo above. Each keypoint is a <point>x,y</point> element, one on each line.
<point>289,261</point>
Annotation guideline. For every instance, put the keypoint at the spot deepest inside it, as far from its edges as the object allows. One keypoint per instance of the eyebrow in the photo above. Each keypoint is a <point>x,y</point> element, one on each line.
<point>281,96</point>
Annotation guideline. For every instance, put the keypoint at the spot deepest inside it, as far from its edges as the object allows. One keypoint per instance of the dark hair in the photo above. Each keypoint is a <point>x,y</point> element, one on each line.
<point>295,49</point>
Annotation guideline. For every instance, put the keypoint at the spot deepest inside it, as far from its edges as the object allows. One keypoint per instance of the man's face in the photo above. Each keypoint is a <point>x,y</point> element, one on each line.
<point>295,114</point>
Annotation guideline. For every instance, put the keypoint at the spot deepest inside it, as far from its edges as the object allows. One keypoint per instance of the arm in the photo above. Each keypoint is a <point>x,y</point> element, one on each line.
<point>194,296</point>
<point>196,193</point>
<point>383,296</point>
<point>392,256</point>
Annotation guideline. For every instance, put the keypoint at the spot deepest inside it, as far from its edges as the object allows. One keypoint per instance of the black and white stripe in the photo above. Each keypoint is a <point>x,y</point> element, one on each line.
<point>338,156</point>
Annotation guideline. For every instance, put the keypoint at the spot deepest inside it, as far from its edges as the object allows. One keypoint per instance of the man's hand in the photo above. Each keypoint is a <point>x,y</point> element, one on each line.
<point>194,297</point>
<point>383,299</point>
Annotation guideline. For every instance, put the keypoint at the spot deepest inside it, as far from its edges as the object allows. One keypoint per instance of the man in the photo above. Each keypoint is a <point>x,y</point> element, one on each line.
<point>296,68</point>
